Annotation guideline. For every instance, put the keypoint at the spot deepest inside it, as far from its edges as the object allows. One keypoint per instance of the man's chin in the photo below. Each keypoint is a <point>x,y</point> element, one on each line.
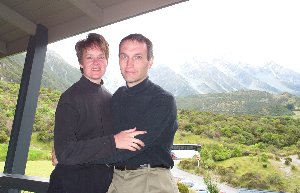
<point>129,79</point>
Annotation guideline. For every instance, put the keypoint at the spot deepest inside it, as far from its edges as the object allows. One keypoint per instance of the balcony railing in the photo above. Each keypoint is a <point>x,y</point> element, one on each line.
<point>14,183</point>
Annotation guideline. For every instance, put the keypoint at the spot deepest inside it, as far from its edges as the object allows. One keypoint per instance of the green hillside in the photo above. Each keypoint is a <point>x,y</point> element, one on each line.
<point>251,151</point>
<point>242,102</point>
<point>44,119</point>
<point>57,74</point>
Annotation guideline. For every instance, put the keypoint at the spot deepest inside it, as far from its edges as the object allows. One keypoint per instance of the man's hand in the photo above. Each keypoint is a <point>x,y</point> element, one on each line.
<point>126,140</point>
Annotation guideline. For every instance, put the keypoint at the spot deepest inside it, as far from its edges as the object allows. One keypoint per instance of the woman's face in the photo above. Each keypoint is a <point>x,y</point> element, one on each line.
<point>94,64</point>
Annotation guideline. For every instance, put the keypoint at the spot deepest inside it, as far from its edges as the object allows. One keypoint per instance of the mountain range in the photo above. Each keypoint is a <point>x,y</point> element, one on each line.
<point>190,78</point>
<point>242,102</point>
<point>197,77</point>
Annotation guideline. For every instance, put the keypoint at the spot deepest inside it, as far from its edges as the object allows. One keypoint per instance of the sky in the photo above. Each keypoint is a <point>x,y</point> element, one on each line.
<point>254,32</point>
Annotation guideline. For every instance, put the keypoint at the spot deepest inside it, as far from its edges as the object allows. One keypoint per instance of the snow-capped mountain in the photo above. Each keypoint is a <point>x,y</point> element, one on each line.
<point>221,76</point>
<point>190,78</point>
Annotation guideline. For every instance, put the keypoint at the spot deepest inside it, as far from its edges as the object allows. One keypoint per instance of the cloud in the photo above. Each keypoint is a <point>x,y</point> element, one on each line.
<point>247,31</point>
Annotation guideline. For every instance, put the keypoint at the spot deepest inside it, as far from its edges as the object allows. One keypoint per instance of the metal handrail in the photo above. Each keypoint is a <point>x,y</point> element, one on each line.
<point>23,182</point>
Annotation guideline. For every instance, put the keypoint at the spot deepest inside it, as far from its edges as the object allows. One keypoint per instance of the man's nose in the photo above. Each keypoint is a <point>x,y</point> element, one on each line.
<point>130,62</point>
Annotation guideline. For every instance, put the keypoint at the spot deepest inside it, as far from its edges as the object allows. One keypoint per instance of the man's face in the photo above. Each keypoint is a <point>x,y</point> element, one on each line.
<point>133,62</point>
<point>93,64</point>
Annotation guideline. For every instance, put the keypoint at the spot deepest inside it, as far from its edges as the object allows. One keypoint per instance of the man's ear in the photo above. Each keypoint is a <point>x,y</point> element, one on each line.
<point>150,63</point>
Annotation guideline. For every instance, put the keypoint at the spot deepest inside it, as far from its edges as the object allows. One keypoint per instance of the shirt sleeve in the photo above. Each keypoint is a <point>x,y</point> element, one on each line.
<point>69,150</point>
<point>161,116</point>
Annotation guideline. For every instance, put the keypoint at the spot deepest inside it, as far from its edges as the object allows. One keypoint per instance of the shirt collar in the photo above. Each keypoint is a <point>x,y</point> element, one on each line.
<point>89,84</point>
<point>139,87</point>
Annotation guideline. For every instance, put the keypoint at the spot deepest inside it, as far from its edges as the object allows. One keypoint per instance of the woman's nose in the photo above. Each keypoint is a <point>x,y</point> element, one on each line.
<point>96,61</point>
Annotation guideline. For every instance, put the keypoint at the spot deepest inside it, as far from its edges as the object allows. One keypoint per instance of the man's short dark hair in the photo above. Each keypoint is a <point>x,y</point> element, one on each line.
<point>141,39</point>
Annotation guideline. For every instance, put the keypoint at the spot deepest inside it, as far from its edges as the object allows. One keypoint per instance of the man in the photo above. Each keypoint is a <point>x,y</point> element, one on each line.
<point>146,106</point>
<point>83,126</point>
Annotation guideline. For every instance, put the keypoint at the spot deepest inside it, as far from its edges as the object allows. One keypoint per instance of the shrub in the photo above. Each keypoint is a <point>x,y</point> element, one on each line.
<point>3,151</point>
<point>199,171</point>
<point>264,157</point>
<point>253,180</point>
<point>297,190</point>
<point>212,188</point>
<point>186,164</point>
<point>182,188</point>
<point>227,174</point>
<point>276,180</point>
<point>288,161</point>
<point>298,144</point>
<point>3,136</point>
<point>45,136</point>
<point>293,168</point>
<point>38,155</point>
<point>209,164</point>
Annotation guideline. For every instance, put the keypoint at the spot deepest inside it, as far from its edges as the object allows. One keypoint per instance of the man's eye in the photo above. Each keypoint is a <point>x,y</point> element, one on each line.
<point>137,57</point>
<point>123,57</point>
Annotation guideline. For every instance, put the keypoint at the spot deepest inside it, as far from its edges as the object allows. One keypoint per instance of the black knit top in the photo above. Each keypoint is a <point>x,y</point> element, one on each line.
<point>83,124</point>
<point>148,107</point>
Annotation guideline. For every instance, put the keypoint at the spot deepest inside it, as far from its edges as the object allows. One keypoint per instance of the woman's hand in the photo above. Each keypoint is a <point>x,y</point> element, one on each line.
<point>53,158</point>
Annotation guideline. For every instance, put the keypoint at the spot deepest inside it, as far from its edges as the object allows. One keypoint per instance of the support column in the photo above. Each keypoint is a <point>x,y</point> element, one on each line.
<point>19,142</point>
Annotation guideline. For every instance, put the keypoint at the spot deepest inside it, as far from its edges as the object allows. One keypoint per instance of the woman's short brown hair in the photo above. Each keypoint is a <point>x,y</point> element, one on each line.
<point>93,39</point>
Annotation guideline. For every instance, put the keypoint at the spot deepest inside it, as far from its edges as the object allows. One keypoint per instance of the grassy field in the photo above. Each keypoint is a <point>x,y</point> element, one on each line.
<point>182,137</point>
<point>37,168</point>
<point>297,114</point>
<point>274,172</point>
<point>287,175</point>
<point>290,177</point>
<point>39,157</point>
